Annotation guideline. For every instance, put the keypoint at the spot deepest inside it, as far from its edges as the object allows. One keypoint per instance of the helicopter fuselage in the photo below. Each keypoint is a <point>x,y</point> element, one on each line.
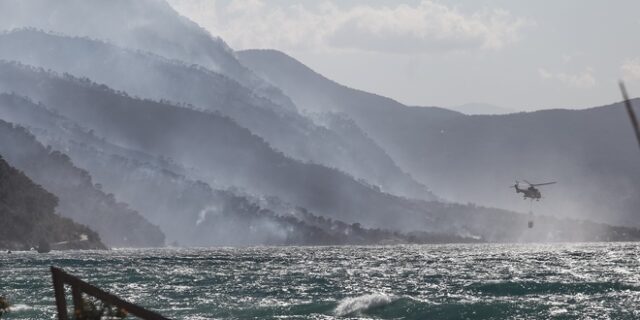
<point>531,192</point>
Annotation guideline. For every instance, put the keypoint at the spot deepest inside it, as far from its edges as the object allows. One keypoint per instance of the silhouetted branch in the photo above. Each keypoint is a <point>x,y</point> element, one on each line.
<point>632,114</point>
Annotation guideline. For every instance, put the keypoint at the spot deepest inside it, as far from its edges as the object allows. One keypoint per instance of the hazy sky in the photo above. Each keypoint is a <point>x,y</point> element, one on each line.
<point>517,54</point>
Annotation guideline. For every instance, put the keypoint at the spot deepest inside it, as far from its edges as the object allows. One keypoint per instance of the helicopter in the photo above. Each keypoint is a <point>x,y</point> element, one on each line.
<point>531,192</point>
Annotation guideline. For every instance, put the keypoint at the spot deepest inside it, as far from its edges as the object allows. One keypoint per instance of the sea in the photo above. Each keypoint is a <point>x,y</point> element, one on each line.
<point>476,281</point>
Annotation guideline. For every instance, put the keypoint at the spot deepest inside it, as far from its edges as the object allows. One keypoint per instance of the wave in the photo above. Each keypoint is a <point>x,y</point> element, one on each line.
<point>20,307</point>
<point>508,288</point>
<point>362,303</point>
<point>409,308</point>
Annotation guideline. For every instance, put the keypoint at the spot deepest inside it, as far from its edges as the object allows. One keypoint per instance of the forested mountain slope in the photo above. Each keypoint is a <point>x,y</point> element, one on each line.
<point>189,212</point>
<point>335,143</point>
<point>27,212</point>
<point>80,200</point>
<point>221,151</point>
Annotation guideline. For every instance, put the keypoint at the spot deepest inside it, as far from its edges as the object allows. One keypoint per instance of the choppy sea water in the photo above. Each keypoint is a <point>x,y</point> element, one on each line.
<point>545,281</point>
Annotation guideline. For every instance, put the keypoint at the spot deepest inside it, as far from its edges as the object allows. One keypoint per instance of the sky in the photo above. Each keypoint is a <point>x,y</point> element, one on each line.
<point>520,55</point>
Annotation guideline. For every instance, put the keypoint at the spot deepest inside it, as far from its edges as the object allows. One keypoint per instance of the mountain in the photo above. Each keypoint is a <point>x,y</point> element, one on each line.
<point>334,142</point>
<point>221,153</point>
<point>80,200</point>
<point>394,126</point>
<point>481,108</point>
<point>591,153</point>
<point>190,212</point>
<point>164,116</point>
<point>27,212</point>
<point>146,25</point>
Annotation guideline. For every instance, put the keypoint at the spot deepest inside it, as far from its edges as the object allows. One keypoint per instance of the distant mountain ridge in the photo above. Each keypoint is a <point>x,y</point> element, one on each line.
<point>481,109</point>
<point>378,116</point>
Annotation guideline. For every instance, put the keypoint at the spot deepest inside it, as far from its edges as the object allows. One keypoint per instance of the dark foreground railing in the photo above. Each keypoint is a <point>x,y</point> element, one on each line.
<point>78,287</point>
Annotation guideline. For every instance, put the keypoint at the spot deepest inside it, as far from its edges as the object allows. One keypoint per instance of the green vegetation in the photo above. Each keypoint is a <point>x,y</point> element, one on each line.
<point>4,306</point>
<point>79,199</point>
<point>27,215</point>
<point>96,310</point>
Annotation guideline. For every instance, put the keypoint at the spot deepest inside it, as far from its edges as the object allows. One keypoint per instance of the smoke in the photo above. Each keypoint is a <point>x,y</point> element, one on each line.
<point>164,117</point>
<point>327,139</point>
<point>211,210</point>
<point>474,159</point>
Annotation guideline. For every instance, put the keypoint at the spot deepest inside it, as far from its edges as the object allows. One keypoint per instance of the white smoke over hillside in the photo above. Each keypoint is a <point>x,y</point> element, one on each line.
<point>165,118</point>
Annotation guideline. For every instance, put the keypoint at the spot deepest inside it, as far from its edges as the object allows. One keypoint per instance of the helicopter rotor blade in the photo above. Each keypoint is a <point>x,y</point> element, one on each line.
<point>529,183</point>
<point>543,184</point>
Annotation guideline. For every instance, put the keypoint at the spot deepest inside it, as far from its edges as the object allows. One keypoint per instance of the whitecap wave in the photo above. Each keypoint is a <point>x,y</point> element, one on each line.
<point>20,307</point>
<point>362,303</point>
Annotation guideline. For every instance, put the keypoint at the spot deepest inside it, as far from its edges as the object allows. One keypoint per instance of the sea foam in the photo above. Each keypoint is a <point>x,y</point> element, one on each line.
<point>362,303</point>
